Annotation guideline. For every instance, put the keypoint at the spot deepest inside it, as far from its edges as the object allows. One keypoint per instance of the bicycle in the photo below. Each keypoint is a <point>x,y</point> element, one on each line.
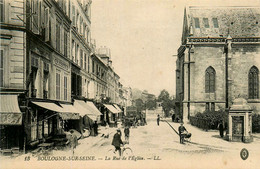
<point>127,151</point>
<point>186,136</point>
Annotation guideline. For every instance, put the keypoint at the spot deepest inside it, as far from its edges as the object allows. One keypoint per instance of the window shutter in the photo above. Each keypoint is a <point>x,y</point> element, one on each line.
<point>47,24</point>
<point>35,17</point>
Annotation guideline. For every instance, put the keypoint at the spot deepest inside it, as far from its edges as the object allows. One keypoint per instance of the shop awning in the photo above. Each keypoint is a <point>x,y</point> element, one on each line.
<point>66,113</point>
<point>111,108</point>
<point>10,113</point>
<point>69,112</point>
<point>94,108</point>
<point>82,108</point>
<point>117,107</point>
<point>48,106</point>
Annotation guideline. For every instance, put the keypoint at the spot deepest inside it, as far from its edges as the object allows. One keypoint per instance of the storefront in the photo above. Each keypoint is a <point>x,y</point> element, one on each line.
<point>87,112</point>
<point>111,115</point>
<point>11,130</point>
<point>49,119</point>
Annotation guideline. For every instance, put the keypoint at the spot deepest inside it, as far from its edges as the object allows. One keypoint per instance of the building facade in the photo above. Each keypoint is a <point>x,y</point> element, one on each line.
<point>218,59</point>
<point>48,62</point>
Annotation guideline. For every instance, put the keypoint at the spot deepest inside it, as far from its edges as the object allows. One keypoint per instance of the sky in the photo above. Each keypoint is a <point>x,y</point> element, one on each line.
<point>144,36</point>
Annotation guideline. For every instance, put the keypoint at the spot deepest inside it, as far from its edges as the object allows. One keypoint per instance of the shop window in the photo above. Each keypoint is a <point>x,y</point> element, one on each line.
<point>253,83</point>
<point>40,126</point>
<point>33,131</point>
<point>46,128</point>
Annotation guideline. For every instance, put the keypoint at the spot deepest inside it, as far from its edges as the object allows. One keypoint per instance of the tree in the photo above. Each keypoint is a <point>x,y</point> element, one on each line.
<point>139,104</point>
<point>167,102</point>
<point>164,95</point>
<point>151,104</point>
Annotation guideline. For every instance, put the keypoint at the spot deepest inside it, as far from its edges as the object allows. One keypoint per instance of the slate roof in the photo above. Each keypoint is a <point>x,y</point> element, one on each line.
<point>237,21</point>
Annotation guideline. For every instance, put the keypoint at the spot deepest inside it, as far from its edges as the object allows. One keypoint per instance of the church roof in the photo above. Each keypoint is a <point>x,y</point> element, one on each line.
<point>221,21</point>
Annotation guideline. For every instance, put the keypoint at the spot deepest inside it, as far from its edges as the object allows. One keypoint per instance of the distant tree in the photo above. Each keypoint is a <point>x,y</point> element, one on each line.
<point>139,104</point>
<point>151,104</point>
<point>167,103</point>
<point>164,95</point>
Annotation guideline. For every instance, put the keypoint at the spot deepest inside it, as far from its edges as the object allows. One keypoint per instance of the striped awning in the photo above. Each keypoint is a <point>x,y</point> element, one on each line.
<point>94,108</point>
<point>117,107</point>
<point>10,113</point>
<point>66,113</point>
<point>111,108</point>
<point>70,112</point>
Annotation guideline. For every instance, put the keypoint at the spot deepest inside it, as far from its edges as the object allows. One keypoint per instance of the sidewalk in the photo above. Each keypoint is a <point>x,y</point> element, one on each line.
<point>212,138</point>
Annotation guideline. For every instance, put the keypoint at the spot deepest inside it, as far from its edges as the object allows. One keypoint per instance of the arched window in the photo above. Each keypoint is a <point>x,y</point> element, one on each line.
<point>210,80</point>
<point>253,85</point>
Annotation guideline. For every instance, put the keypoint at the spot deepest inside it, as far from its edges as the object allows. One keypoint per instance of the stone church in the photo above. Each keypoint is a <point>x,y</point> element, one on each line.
<point>218,59</point>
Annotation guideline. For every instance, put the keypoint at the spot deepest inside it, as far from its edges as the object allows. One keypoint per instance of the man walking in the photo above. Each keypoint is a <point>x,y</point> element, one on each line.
<point>158,120</point>
<point>127,134</point>
<point>95,126</point>
<point>181,133</point>
<point>221,129</point>
<point>73,141</point>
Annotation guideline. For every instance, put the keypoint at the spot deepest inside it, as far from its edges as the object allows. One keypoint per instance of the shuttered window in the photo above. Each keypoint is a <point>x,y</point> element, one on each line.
<point>2,11</point>
<point>57,86</point>
<point>65,88</point>
<point>58,36</point>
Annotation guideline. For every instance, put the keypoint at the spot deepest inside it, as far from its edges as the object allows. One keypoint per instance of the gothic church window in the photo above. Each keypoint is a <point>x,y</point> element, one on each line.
<point>210,75</point>
<point>253,83</point>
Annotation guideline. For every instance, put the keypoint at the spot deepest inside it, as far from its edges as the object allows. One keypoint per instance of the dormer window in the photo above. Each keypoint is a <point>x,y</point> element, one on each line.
<point>197,22</point>
<point>206,22</point>
<point>215,22</point>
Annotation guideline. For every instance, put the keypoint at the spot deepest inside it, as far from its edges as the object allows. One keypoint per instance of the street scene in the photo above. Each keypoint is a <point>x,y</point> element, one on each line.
<point>129,84</point>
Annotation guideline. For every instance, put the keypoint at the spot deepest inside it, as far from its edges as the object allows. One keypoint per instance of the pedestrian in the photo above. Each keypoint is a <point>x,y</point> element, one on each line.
<point>173,117</point>
<point>73,141</point>
<point>181,133</point>
<point>115,122</point>
<point>95,126</point>
<point>127,134</point>
<point>117,141</point>
<point>221,129</point>
<point>158,120</point>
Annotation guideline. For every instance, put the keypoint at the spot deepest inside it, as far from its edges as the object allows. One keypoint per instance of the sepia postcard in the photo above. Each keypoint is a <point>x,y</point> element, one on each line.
<point>129,84</point>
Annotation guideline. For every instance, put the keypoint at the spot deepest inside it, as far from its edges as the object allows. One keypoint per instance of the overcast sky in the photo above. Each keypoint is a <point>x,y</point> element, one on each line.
<point>143,36</point>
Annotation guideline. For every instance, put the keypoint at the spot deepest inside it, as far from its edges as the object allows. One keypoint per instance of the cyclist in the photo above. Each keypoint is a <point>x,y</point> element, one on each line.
<point>117,141</point>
